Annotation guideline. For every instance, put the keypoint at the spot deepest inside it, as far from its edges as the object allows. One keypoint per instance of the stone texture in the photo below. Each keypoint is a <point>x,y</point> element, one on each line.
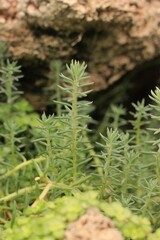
<point>112,37</point>
<point>92,226</point>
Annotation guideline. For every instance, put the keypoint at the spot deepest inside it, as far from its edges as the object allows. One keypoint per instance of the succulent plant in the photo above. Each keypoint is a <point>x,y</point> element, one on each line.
<point>49,220</point>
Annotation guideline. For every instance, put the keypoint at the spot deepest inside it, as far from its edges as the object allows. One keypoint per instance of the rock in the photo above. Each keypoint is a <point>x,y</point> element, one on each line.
<point>92,226</point>
<point>112,37</point>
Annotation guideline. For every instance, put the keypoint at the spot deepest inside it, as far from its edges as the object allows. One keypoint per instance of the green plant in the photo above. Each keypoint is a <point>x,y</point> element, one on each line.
<point>130,170</point>
<point>114,118</point>
<point>54,82</point>
<point>4,54</point>
<point>51,136</point>
<point>49,220</point>
<point>51,156</point>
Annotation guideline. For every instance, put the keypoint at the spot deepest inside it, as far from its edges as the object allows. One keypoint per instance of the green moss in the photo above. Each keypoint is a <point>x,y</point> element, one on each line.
<point>49,220</point>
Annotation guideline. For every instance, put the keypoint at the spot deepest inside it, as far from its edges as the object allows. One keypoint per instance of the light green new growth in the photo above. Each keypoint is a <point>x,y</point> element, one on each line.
<point>8,79</point>
<point>49,220</point>
<point>74,85</point>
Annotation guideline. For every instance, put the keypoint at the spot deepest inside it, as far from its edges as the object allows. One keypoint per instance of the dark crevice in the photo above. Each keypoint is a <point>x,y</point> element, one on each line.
<point>132,87</point>
<point>39,32</point>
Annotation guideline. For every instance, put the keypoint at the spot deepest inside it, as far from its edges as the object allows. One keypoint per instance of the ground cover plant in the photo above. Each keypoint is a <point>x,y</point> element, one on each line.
<point>47,161</point>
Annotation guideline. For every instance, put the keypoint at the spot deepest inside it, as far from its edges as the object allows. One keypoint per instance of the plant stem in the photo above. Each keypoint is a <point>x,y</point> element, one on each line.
<point>138,132</point>
<point>21,165</point>
<point>49,153</point>
<point>158,166</point>
<point>43,186</point>
<point>96,160</point>
<point>74,125</point>
<point>20,192</point>
<point>58,90</point>
<point>3,221</point>
<point>43,194</point>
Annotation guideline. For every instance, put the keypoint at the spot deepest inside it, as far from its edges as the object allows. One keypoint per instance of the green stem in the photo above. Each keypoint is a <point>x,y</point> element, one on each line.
<point>74,125</point>
<point>20,192</point>
<point>9,83</point>
<point>158,166</point>
<point>29,189</point>
<point>93,154</point>
<point>126,171</point>
<point>50,153</point>
<point>147,204</point>
<point>3,221</point>
<point>43,194</point>
<point>49,150</point>
<point>21,165</point>
<point>108,162</point>
<point>58,91</point>
<point>13,146</point>
<point>126,180</point>
<point>138,132</point>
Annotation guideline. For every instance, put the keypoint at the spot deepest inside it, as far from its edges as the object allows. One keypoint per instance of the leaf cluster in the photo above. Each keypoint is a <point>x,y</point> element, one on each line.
<point>49,220</point>
<point>50,156</point>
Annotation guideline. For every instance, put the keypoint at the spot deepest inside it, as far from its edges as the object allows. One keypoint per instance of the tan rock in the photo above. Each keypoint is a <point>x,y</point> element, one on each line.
<point>117,35</point>
<point>92,226</point>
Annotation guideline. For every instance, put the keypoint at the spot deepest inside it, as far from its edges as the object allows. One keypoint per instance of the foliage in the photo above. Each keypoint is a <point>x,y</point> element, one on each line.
<point>48,220</point>
<point>43,158</point>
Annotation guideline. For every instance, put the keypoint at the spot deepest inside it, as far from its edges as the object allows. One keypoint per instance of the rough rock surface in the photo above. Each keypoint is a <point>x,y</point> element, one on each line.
<point>92,226</point>
<point>112,37</point>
